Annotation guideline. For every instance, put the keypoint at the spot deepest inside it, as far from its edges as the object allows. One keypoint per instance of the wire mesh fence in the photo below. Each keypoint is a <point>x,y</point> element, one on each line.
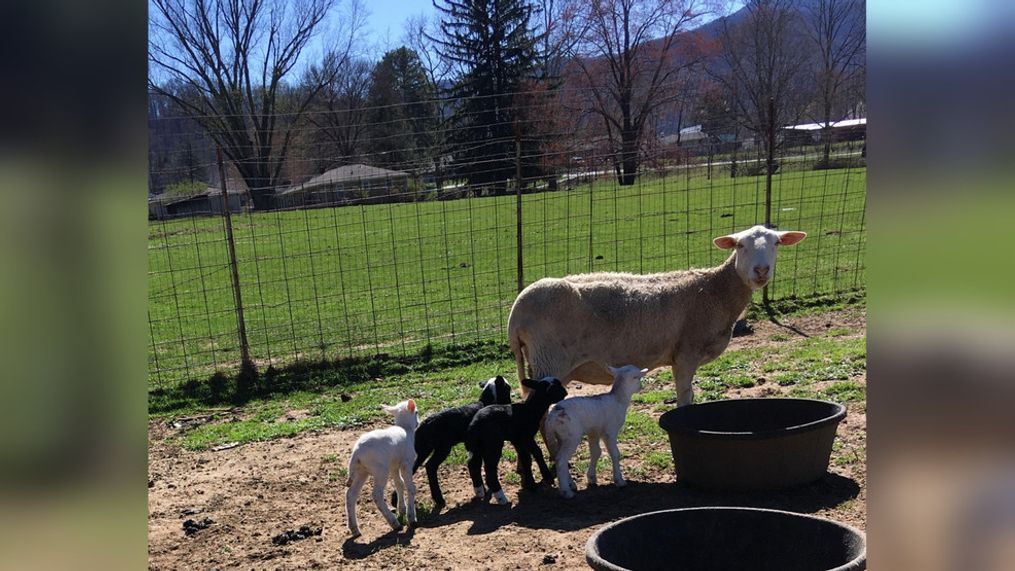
<point>390,262</point>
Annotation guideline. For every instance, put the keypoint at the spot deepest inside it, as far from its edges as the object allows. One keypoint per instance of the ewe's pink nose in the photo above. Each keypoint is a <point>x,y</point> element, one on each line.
<point>761,271</point>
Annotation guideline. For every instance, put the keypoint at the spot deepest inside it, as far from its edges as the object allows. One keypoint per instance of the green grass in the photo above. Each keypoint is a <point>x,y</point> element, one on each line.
<point>825,367</point>
<point>392,279</point>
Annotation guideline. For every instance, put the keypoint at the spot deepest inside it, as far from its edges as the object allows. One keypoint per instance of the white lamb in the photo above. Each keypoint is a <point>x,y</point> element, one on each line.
<point>601,417</point>
<point>565,327</point>
<point>380,453</point>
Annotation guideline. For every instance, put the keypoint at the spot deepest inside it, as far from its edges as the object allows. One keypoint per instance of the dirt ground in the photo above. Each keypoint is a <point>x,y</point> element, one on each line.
<point>254,492</point>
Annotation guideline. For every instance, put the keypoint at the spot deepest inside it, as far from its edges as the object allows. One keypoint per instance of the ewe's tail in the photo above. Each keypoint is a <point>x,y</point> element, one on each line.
<point>517,347</point>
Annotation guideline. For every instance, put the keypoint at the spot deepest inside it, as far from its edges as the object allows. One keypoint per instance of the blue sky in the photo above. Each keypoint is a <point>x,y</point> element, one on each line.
<point>387,17</point>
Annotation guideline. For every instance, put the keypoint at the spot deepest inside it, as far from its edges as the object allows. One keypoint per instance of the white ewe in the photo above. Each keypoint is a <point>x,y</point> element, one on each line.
<point>380,453</point>
<point>601,417</point>
<point>565,326</point>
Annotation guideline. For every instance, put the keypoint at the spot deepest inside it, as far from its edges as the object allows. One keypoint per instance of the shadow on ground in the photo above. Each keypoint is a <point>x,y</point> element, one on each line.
<point>544,509</point>
<point>352,549</point>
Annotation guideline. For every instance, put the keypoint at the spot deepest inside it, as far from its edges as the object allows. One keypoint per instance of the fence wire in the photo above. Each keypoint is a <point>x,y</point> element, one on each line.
<point>393,264</point>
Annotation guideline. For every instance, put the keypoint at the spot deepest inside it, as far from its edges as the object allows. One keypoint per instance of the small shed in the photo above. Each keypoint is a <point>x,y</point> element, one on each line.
<point>209,202</point>
<point>347,184</point>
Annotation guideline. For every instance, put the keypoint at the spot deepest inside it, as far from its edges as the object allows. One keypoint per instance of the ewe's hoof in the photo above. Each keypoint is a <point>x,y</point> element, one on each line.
<point>620,483</point>
<point>501,498</point>
<point>354,533</point>
<point>566,494</point>
<point>480,492</point>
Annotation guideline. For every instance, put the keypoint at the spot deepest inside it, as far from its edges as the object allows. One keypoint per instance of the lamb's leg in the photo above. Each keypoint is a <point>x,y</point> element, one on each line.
<point>683,374</point>
<point>356,481</point>
<point>611,447</point>
<point>594,453</point>
<point>564,454</point>
<point>396,479</point>
<point>439,455</point>
<point>491,457</point>
<point>524,453</point>
<point>475,464</point>
<point>410,489</point>
<point>380,481</point>
<point>544,470</point>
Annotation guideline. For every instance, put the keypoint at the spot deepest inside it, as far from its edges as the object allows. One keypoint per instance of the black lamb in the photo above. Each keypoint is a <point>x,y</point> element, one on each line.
<point>517,423</point>
<point>439,433</point>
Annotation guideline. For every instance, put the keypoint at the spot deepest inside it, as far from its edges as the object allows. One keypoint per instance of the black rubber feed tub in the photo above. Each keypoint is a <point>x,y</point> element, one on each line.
<point>752,444</point>
<point>725,538</point>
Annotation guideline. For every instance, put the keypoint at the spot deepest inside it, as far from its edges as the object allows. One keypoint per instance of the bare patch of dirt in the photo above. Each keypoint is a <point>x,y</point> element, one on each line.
<point>254,492</point>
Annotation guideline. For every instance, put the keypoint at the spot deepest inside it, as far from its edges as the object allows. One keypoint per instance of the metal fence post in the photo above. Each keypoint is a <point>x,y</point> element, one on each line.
<point>518,210</point>
<point>769,165</point>
<point>246,365</point>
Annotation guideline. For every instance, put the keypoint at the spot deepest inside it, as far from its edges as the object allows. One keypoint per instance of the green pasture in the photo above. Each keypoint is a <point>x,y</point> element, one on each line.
<point>393,278</point>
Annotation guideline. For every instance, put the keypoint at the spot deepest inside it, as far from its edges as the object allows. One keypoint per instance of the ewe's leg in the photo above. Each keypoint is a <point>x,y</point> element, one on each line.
<point>594,453</point>
<point>475,466</point>
<point>356,481</point>
<point>439,455</point>
<point>380,481</point>
<point>410,489</point>
<point>611,447</point>
<point>683,374</point>
<point>566,484</point>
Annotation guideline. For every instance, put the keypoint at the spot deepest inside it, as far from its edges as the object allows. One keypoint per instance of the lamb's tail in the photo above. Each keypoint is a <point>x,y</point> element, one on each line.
<point>353,460</point>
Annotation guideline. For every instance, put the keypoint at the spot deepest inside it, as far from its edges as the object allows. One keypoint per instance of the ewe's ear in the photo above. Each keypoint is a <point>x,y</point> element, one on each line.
<point>644,372</point>
<point>791,237</point>
<point>482,384</point>
<point>612,370</point>
<point>725,242</point>
<point>530,383</point>
<point>411,406</point>
<point>389,409</point>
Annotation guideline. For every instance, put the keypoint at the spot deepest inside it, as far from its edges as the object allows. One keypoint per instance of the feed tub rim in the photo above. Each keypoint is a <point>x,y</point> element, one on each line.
<point>592,549</point>
<point>834,418</point>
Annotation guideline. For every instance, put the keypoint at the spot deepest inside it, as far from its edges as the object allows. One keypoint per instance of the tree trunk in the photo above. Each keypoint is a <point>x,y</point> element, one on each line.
<point>628,157</point>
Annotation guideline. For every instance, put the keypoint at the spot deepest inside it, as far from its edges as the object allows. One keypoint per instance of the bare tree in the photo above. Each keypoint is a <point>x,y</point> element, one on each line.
<point>838,32</point>
<point>761,65</point>
<point>236,55</point>
<point>630,56</point>
<point>438,71</point>
<point>339,112</point>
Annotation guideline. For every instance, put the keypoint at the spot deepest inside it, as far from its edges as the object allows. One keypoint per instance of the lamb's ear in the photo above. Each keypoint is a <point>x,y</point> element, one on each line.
<point>644,372</point>
<point>389,409</point>
<point>612,370</point>
<point>482,384</point>
<point>790,237</point>
<point>530,383</point>
<point>725,242</point>
<point>411,406</point>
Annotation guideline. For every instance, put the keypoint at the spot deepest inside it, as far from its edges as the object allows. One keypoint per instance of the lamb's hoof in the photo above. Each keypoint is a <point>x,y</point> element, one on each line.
<point>530,486</point>
<point>354,533</point>
<point>593,484</point>
<point>396,526</point>
<point>479,493</point>
<point>620,483</point>
<point>501,498</point>
<point>566,494</point>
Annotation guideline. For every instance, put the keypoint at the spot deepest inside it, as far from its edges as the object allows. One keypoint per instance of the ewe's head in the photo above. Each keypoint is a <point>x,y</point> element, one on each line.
<point>549,388</point>
<point>755,252</point>
<point>495,391</point>
<point>404,413</point>
<point>627,379</point>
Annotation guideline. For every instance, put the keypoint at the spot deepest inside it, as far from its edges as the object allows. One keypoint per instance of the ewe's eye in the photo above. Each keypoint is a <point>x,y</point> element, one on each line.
<point>740,246</point>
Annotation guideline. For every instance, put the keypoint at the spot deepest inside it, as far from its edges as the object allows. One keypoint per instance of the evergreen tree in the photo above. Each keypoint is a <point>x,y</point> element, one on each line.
<point>403,111</point>
<point>492,44</point>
